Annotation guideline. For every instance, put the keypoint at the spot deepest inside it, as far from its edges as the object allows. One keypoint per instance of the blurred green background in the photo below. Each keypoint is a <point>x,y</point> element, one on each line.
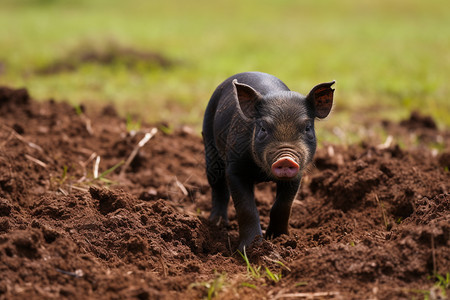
<point>161,60</point>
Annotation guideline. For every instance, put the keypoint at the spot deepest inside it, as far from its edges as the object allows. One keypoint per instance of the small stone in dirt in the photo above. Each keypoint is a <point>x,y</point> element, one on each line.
<point>151,194</point>
<point>186,130</point>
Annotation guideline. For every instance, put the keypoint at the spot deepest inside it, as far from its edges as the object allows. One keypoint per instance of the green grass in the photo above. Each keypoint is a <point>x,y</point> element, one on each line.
<point>214,286</point>
<point>442,282</point>
<point>255,272</point>
<point>388,57</point>
<point>439,290</point>
<point>65,183</point>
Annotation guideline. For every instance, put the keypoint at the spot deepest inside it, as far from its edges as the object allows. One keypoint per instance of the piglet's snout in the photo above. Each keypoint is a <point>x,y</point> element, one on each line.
<point>285,167</point>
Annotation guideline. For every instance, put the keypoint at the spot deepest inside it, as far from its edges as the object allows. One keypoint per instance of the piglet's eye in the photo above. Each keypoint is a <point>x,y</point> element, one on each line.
<point>309,131</point>
<point>262,133</point>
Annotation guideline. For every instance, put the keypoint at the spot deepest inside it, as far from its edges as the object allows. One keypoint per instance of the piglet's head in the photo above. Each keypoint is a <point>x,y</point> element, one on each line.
<point>282,123</point>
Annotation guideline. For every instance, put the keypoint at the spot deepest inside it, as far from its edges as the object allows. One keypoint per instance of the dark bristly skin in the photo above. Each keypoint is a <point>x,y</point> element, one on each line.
<point>255,129</point>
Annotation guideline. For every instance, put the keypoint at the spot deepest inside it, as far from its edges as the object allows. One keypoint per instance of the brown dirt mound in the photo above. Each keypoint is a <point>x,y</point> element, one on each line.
<point>370,221</point>
<point>112,54</point>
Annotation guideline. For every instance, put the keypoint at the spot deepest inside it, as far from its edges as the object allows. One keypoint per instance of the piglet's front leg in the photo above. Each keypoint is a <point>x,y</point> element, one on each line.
<point>242,193</point>
<point>281,209</point>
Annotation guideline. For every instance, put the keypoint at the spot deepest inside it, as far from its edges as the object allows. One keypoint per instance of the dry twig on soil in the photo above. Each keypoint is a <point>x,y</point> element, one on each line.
<point>316,295</point>
<point>96,165</point>
<point>136,149</point>
<point>387,143</point>
<point>181,186</point>
<point>36,161</point>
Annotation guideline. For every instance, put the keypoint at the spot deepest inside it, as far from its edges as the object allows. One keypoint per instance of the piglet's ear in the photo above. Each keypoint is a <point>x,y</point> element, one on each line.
<point>247,98</point>
<point>322,97</point>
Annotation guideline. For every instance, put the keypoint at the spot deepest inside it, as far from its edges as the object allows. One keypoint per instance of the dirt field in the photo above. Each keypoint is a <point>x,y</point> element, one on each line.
<point>371,221</point>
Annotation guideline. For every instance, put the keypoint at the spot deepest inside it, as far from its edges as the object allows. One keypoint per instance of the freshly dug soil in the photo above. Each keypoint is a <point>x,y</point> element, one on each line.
<point>370,221</point>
